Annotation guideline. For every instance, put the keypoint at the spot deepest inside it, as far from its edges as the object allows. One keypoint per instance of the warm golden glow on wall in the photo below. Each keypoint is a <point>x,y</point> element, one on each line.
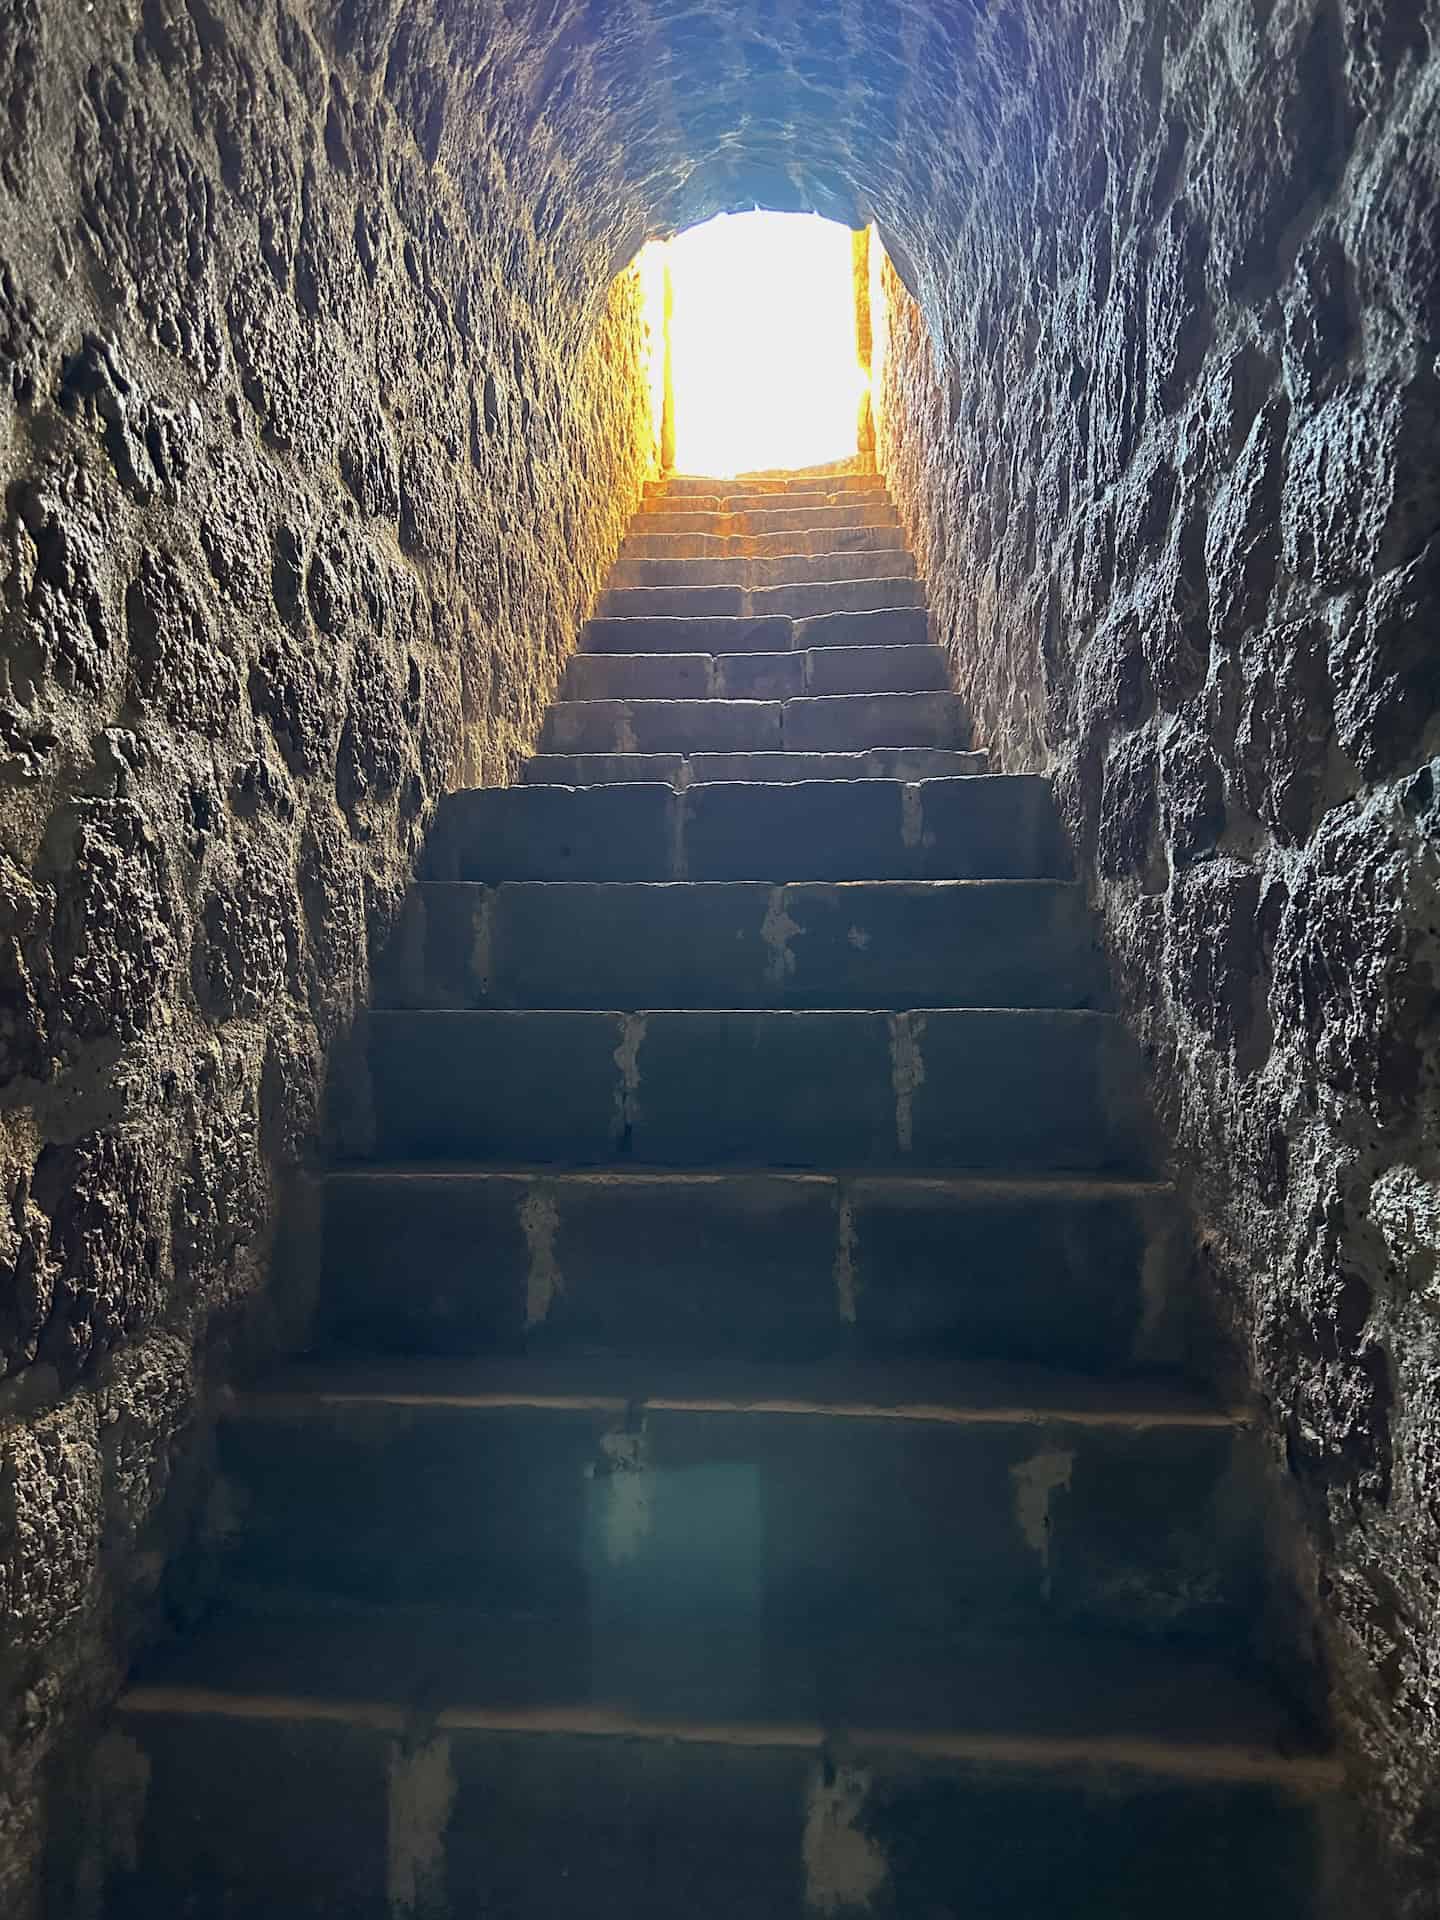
<point>652,266</point>
<point>763,354</point>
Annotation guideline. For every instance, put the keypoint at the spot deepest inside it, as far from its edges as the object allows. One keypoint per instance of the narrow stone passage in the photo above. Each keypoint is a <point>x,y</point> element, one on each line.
<point>756,1456</point>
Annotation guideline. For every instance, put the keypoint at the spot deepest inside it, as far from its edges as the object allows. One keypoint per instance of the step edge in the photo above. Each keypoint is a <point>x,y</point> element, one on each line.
<point>1033,883</point>
<point>883,652</point>
<point>887,780</point>
<point>710,702</point>
<point>1306,1775</point>
<point>711,753</point>
<point>746,619</point>
<point>318,1401</point>
<point>711,1013</point>
<point>1041,1185</point>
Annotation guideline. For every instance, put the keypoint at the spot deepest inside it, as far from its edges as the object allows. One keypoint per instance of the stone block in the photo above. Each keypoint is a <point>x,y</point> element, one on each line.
<point>935,944</point>
<point>426,1262</point>
<point>714,633</point>
<point>1002,826</point>
<point>883,627</point>
<point>860,512</point>
<point>640,676</point>
<point>661,726</point>
<point>496,1086</point>
<point>760,676</point>
<point>995,1088</point>
<point>812,830</point>
<point>643,946</point>
<point>1037,1271</point>
<point>806,599</point>
<point>622,832</point>
<point>781,1089</point>
<point>51,1512</point>
<point>688,601</point>
<point>607,769</point>
<point>897,669</point>
<point>847,722</point>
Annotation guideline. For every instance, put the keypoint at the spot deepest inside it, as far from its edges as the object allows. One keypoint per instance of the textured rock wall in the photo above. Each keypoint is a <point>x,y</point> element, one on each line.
<point>1168,451</point>
<point>314,451</point>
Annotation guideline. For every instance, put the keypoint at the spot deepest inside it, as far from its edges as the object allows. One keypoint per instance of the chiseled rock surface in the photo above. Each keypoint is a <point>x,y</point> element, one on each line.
<point>1171,476</point>
<point>315,455</point>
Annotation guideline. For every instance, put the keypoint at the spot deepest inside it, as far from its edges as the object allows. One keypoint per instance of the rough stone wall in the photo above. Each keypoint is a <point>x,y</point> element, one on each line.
<point>314,452</point>
<point>1168,452</point>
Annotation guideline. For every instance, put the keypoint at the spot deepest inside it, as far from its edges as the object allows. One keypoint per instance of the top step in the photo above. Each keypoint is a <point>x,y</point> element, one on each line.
<point>681,485</point>
<point>736,501</point>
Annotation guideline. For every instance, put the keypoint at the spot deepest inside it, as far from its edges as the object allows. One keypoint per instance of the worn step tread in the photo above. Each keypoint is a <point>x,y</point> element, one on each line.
<point>781,570</point>
<point>824,722</point>
<point>750,769</point>
<point>726,633</point>
<point>914,1389</point>
<point>1026,1186</point>
<point>1087,1275</point>
<point>643,541</point>
<point>694,517</point>
<point>750,499</point>
<point>701,944</point>
<point>979,1087</point>
<point>797,600</point>
<point>629,1488</point>
<point>801,478</point>
<point>577,1812</point>
<point>987,826</point>
<point>919,668</point>
<point>1041,1702</point>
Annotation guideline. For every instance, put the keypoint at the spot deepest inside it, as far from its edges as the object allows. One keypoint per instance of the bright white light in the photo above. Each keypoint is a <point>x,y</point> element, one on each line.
<point>762,340</point>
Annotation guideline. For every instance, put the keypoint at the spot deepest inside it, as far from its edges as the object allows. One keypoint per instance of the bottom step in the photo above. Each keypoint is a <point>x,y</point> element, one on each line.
<point>685,770</point>
<point>262,1806</point>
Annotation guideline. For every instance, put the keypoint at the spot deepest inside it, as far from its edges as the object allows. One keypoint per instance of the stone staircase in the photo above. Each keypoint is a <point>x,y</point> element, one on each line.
<point>755,1456</point>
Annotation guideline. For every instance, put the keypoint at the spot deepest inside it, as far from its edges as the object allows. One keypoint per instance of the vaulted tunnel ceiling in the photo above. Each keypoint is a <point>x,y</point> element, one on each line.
<point>630,120</point>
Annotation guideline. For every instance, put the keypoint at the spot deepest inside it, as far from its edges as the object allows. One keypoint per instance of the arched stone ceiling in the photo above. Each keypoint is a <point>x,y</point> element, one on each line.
<point>632,118</point>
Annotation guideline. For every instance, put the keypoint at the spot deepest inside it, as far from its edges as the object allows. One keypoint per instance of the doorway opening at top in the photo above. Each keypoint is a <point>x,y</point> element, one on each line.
<point>762,325</point>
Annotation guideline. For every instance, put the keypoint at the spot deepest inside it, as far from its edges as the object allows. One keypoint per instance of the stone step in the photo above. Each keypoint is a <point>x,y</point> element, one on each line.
<point>680,1499</point>
<point>742,500</point>
<point>662,726</point>
<point>688,485</point>
<point>860,469</point>
<point>986,827</point>
<point>819,596</point>
<point>442,1767</point>
<point>776,519</point>
<point>755,676</point>
<point>785,570</point>
<point>687,770</point>
<point>645,542</point>
<point>1089,1275</point>
<point>745,943</point>
<point>953,1685</point>
<point>896,668</point>
<point>745,500</point>
<point>768,633</point>
<point>984,1088</point>
<point>842,722</point>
